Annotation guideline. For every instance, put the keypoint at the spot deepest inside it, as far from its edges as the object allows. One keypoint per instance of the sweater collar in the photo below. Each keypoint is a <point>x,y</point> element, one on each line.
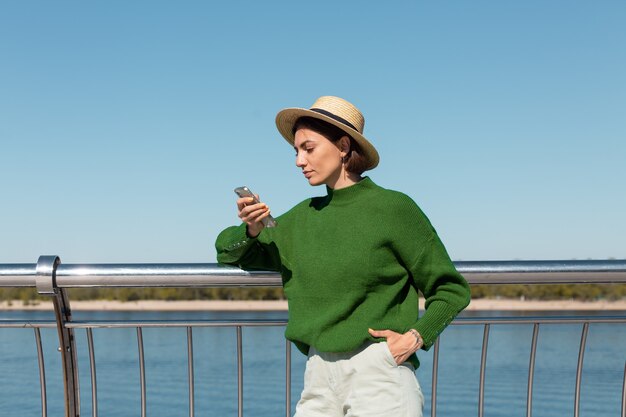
<point>350,192</point>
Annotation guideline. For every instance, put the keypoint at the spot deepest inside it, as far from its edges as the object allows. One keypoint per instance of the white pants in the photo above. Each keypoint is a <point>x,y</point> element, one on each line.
<point>363,383</point>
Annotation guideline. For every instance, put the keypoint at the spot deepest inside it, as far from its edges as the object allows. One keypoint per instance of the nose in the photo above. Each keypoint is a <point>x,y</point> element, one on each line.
<point>300,160</point>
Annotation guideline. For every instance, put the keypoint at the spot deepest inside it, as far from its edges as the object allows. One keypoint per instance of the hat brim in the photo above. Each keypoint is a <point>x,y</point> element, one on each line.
<point>286,119</point>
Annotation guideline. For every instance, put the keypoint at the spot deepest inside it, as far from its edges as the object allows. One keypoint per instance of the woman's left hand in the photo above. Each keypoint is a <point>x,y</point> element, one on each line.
<point>400,345</point>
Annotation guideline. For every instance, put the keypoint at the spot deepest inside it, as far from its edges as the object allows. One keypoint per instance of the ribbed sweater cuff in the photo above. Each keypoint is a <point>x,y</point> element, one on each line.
<point>236,243</point>
<point>437,317</point>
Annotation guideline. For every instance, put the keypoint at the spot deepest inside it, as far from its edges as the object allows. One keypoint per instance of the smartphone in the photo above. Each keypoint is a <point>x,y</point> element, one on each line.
<point>245,192</point>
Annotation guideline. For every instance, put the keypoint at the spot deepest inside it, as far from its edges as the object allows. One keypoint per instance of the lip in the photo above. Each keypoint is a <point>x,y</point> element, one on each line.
<point>307,174</point>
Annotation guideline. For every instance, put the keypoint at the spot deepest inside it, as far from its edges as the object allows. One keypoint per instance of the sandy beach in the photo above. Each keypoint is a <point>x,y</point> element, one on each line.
<point>280,305</point>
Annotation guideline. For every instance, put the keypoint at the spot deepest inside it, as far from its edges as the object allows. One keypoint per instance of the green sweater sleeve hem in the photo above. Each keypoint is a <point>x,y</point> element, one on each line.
<point>232,244</point>
<point>436,318</point>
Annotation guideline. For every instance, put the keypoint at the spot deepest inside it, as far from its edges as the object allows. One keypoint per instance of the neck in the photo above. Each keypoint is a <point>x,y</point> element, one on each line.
<point>343,180</point>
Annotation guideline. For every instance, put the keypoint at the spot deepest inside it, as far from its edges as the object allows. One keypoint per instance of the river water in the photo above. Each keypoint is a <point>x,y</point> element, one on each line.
<point>118,377</point>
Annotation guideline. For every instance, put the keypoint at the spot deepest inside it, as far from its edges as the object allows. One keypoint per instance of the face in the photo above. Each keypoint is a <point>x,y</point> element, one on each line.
<point>319,158</point>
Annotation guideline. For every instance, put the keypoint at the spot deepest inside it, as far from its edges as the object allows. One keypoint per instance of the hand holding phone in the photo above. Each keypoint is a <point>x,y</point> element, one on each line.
<point>245,192</point>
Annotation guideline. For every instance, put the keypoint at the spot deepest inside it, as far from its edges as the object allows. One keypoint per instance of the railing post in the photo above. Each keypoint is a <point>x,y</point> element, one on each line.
<point>288,377</point>
<point>239,372</point>
<point>579,370</point>
<point>42,374</point>
<point>142,371</point>
<point>46,285</point>
<point>433,397</point>
<point>624,393</point>
<point>483,365</point>
<point>190,373</point>
<point>531,371</point>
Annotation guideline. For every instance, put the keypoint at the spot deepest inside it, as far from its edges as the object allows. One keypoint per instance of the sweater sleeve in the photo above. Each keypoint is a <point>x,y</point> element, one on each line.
<point>445,290</point>
<point>235,247</point>
<point>431,270</point>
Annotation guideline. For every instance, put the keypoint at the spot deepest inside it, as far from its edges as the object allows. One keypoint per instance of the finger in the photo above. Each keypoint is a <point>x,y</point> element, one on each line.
<point>401,359</point>
<point>244,201</point>
<point>249,209</point>
<point>260,217</point>
<point>379,333</point>
<point>256,215</point>
<point>264,215</point>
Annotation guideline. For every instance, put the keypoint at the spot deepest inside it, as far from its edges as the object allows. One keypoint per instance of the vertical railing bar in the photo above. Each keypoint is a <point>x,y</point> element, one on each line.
<point>46,285</point>
<point>287,378</point>
<point>624,393</point>
<point>433,398</point>
<point>190,372</point>
<point>42,374</point>
<point>579,369</point>
<point>531,371</point>
<point>483,364</point>
<point>142,371</point>
<point>239,373</point>
<point>92,368</point>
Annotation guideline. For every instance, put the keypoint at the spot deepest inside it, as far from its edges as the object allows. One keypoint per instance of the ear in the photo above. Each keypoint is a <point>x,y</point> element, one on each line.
<point>344,145</point>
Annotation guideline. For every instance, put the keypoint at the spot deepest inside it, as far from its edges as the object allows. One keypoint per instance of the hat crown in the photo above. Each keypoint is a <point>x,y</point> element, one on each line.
<point>342,109</point>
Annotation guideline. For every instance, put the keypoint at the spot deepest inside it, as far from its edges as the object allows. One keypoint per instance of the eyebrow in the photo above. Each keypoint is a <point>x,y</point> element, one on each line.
<point>303,144</point>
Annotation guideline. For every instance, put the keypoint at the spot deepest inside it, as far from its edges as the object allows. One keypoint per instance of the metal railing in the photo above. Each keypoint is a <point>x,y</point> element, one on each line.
<point>52,278</point>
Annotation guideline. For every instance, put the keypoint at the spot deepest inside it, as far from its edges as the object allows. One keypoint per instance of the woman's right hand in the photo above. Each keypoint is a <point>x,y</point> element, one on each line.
<point>252,214</point>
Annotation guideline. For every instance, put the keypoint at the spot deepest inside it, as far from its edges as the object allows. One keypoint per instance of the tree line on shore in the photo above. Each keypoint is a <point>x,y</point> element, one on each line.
<point>580,292</point>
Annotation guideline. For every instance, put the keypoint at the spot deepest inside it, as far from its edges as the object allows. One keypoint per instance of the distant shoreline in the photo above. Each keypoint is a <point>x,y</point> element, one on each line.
<point>281,305</point>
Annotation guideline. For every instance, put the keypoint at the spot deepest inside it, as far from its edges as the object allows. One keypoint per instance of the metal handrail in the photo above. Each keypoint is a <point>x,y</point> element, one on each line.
<point>459,321</point>
<point>219,275</point>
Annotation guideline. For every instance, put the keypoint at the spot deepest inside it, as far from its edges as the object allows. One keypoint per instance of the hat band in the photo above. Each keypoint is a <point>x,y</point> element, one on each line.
<point>335,117</point>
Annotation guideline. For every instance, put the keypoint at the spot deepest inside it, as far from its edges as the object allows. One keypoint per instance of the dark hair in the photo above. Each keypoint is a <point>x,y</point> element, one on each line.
<point>355,162</point>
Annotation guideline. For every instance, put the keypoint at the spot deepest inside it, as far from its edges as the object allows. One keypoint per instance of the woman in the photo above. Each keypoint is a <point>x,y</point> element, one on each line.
<point>352,263</point>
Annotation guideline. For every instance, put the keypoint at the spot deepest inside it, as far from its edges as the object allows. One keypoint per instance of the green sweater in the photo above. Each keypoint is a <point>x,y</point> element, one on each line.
<point>352,260</point>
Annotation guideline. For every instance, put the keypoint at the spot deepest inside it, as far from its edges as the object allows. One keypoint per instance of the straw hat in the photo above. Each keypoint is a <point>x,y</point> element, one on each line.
<point>337,112</point>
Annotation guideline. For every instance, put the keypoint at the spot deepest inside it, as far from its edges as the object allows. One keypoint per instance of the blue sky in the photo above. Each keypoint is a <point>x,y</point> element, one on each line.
<point>125,126</point>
